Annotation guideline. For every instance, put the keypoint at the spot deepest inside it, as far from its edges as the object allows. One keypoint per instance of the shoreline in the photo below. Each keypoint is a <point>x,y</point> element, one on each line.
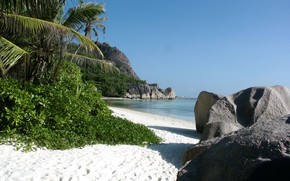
<point>144,118</point>
<point>177,97</point>
<point>107,162</point>
<point>179,109</point>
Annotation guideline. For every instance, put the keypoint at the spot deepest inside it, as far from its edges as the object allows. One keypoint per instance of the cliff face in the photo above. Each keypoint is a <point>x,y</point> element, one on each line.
<point>118,58</point>
<point>141,91</point>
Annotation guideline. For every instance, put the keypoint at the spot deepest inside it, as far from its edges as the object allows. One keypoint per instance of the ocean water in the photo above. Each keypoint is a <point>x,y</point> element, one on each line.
<point>181,108</point>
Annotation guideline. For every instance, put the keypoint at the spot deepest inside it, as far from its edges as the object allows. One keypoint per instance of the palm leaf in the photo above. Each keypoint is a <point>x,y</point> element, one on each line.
<point>41,9</point>
<point>82,14</point>
<point>10,54</point>
<point>17,25</point>
<point>83,61</point>
<point>87,43</point>
<point>101,26</point>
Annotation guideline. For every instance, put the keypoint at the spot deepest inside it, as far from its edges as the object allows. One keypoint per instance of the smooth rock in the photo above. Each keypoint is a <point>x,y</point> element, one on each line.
<point>245,108</point>
<point>149,91</point>
<point>239,155</point>
<point>156,92</point>
<point>169,93</point>
<point>141,91</point>
<point>216,129</point>
<point>205,101</point>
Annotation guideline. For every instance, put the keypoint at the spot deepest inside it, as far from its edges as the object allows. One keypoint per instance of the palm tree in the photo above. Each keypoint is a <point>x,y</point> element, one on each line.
<point>94,22</point>
<point>30,33</point>
<point>90,23</point>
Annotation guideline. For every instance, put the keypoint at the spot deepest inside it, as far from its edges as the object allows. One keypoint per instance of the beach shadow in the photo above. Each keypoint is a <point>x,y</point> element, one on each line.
<point>171,152</point>
<point>180,131</point>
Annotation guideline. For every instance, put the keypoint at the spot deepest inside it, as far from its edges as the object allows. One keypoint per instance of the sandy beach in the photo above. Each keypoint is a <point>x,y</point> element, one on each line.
<point>106,162</point>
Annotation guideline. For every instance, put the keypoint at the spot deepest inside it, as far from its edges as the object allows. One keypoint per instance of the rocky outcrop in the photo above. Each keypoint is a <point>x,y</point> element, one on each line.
<point>149,91</point>
<point>156,92</point>
<point>242,155</point>
<point>169,93</point>
<point>138,91</point>
<point>118,58</point>
<point>135,91</point>
<point>205,101</point>
<point>245,108</point>
<point>245,136</point>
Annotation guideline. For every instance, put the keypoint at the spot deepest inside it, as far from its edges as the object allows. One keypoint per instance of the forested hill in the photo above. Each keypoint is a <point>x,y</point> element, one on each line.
<point>122,81</point>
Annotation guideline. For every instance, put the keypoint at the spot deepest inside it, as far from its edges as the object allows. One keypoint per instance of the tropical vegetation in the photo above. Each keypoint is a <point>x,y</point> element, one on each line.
<point>43,98</point>
<point>44,34</point>
<point>112,83</point>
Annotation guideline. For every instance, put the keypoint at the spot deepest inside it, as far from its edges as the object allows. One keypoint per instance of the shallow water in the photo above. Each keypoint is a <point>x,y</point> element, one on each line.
<point>177,108</point>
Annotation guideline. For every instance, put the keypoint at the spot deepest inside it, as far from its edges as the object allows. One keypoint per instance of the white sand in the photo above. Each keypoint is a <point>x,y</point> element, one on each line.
<point>103,162</point>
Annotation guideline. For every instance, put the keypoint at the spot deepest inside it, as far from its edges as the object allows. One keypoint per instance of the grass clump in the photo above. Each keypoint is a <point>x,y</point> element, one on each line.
<point>63,115</point>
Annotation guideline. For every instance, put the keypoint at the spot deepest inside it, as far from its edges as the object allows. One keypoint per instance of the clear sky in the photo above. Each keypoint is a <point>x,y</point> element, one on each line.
<point>220,46</point>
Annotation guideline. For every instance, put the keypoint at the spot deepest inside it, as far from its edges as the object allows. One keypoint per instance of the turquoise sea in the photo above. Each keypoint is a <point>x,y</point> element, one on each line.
<point>180,108</point>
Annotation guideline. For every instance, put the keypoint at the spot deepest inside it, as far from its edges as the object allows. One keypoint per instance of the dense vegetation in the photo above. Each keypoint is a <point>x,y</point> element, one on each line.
<point>43,99</point>
<point>110,83</point>
<point>110,80</point>
<point>63,115</point>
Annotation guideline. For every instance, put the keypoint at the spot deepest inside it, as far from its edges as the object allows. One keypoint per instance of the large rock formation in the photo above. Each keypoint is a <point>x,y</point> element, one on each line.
<point>118,58</point>
<point>242,155</point>
<point>245,108</point>
<point>140,90</point>
<point>169,93</point>
<point>149,91</point>
<point>244,135</point>
<point>205,101</point>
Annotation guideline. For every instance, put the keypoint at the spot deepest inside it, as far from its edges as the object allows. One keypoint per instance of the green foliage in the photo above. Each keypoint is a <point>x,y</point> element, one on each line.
<point>33,40</point>
<point>69,75</point>
<point>117,130</point>
<point>109,83</point>
<point>64,115</point>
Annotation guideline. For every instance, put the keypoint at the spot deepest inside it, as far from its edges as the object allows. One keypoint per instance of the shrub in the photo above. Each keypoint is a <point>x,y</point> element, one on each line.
<point>64,115</point>
<point>118,130</point>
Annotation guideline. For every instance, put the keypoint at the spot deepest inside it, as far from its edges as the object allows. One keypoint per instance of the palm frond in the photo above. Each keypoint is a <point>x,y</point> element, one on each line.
<point>41,9</point>
<point>101,26</point>
<point>102,19</point>
<point>83,61</point>
<point>87,43</point>
<point>17,25</point>
<point>82,14</point>
<point>10,54</point>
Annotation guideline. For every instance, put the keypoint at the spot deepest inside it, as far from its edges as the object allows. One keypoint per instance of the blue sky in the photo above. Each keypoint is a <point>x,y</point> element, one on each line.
<point>193,45</point>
